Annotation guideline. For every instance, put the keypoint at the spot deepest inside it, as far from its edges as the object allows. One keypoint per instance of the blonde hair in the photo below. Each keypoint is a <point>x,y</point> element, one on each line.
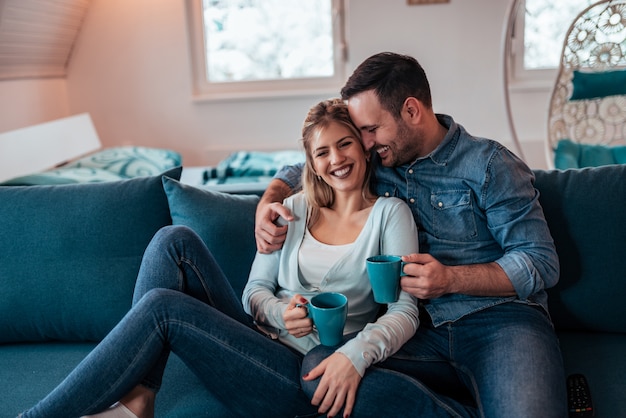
<point>317,192</point>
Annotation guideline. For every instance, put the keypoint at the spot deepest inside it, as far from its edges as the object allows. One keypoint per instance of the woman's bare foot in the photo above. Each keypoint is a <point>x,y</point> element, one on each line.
<point>117,410</point>
<point>140,401</point>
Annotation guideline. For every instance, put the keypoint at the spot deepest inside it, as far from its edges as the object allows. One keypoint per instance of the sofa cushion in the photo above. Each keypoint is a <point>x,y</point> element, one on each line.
<point>183,394</point>
<point>585,212</point>
<point>225,222</point>
<point>71,253</point>
<point>27,377</point>
<point>600,357</point>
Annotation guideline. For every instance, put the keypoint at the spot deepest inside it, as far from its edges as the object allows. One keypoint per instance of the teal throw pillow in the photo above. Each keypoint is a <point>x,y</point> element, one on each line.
<point>225,222</point>
<point>567,154</point>
<point>594,155</point>
<point>71,253</point>
<point>254,164</point>
<point>619,154</point>
<point>590,85</point>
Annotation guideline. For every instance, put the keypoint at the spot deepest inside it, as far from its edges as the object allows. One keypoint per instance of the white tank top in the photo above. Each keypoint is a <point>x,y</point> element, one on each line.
<point>319,259</point>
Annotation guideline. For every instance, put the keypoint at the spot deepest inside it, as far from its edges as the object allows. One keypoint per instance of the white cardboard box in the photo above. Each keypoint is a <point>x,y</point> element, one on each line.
<point>40,147</point>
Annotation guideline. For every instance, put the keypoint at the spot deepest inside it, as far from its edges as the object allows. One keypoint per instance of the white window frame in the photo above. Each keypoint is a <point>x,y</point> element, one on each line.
<point>520,77</point>
<point>204,90</point>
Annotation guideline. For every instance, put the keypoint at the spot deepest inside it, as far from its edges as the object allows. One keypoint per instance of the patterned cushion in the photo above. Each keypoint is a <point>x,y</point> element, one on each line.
<point>64,176</point>
<point>107,165</point>
<point>128,162</point>
<point>254,164</point>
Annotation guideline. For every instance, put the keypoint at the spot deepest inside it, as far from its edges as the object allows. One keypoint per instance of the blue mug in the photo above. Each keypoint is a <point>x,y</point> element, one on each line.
<point>384,272</point>
<point>329,312</point>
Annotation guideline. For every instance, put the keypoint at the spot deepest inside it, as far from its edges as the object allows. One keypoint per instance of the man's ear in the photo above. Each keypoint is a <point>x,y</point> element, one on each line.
<point>412,109</point>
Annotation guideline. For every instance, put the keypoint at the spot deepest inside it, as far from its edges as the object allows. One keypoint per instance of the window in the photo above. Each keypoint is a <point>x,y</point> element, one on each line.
<point>261,48</point>
<point>538,38</point>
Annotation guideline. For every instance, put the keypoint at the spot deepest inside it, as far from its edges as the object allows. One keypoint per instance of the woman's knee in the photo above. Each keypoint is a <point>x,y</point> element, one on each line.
<point>173,240</point>
<point>315,357</point>
<point>157,297</point>
<point>310,361</point>
<point>172,233</point>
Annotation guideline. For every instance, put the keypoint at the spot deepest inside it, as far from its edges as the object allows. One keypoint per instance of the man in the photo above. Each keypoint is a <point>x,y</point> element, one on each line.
<point>486,254</point>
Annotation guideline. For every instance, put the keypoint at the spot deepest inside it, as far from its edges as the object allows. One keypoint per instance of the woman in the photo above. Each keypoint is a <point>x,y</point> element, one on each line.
<point>184,304</point>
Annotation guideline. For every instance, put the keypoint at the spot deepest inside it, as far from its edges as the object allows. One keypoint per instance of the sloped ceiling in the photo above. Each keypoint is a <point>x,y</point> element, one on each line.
<point>37,36</point>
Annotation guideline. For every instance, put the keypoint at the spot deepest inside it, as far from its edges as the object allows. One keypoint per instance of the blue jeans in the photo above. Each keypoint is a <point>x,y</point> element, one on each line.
<point>388,393</point>
<point>183,304</point>
<point>503,361</point>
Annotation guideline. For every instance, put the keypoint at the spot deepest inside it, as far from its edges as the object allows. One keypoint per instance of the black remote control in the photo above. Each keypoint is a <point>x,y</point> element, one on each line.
<point>578,396</point>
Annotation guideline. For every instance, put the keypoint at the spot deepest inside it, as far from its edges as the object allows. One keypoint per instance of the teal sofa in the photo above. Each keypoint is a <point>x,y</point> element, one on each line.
<point>70,255</point>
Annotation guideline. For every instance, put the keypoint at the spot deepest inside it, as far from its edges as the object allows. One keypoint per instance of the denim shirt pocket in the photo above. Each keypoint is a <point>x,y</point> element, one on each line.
<point>453,215</point>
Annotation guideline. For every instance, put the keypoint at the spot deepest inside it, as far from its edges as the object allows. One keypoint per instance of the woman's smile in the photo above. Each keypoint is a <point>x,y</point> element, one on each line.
<point>342,172</point>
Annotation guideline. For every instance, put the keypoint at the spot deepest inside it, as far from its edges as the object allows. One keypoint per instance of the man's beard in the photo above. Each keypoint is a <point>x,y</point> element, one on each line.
<point>400,151</point>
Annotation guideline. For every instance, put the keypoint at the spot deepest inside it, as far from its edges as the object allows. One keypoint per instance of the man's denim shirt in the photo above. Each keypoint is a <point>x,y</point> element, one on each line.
<point>473,202</point>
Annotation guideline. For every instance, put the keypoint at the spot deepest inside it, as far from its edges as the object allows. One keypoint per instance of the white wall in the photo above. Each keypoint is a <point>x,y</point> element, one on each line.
<point>130,70</point>
<point>31,101</point>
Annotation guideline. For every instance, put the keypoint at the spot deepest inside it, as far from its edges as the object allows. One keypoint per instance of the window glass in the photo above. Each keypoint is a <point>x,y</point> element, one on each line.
<point>545,25</point>
<point>268,39</point>
<point>246,48</point>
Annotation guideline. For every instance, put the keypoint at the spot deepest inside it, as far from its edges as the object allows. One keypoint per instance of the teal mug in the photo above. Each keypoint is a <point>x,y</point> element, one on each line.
<point>384,272</point>
<point>329,312</point>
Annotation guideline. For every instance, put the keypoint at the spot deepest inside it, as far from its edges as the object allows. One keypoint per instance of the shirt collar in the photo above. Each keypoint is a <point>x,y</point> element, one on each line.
<point>442,153</point>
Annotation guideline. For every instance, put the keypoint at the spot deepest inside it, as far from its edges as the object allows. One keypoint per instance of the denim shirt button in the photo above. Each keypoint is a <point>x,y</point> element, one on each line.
<point>412,200</point>
<point>440,204</point>
<point>410,171</point>
<point>386,194</point>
